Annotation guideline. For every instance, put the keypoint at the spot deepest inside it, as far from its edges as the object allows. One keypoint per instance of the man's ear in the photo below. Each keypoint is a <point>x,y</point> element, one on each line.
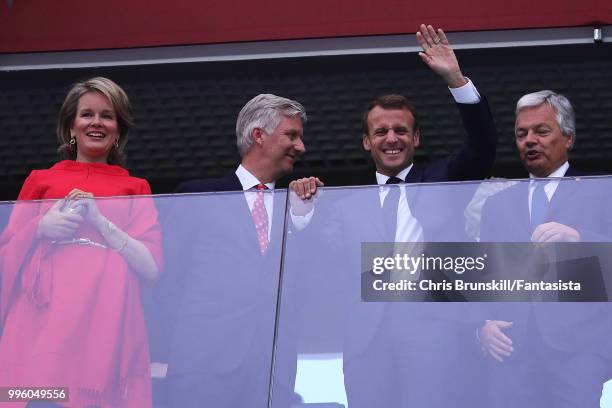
<point>257,136</point>
<point>366,143</point>
<point>417,138</point>
<point>569,144</point>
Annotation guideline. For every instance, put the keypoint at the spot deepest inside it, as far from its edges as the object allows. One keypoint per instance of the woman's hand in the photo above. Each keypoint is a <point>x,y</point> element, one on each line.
<point>134,252</point>
<point>85,200</point>
<point>60,222</point>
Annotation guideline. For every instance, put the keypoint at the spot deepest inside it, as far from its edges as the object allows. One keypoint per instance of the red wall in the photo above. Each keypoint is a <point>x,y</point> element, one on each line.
<point>47,25</point>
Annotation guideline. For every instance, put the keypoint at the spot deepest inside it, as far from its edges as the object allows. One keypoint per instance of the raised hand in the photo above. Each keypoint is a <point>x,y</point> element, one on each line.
<point>439,55</point>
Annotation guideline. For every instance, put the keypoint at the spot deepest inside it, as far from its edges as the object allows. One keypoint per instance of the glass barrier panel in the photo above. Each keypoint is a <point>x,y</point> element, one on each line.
<point>405,295</point>
<point>410,295</point>
<point>84,311</point>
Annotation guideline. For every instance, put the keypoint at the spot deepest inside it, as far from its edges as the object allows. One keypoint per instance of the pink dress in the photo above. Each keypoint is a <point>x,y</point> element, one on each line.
<point>71,313</point>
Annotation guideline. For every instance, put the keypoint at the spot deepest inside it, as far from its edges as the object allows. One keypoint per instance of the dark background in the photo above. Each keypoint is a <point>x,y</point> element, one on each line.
<point>185,113</point>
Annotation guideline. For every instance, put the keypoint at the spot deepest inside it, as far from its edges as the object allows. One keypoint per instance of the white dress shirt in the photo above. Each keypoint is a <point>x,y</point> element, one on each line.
<point>408,228</point>
<point>466,93</point>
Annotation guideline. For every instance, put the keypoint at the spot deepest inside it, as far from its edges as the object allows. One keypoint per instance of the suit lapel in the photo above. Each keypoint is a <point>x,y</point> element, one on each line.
<point>573,172</point>
<point>362,215</point>
<point>415,175</point>
<point>515,224</point>
<point>521,200</point>
<point>242,212</point>
<point>563,196</point>
<point>374,210</point>
<point>229,183</point>
<point>278,220</point>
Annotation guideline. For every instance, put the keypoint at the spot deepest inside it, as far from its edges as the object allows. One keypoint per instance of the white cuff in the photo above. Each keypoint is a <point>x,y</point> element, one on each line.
<point>301,221</point>
<point>466,94</point>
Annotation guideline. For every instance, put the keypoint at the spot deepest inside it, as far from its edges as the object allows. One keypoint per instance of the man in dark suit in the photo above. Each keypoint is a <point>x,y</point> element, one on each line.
<point>223,252</point>
<point>548,353</point>
<point>400,354</point>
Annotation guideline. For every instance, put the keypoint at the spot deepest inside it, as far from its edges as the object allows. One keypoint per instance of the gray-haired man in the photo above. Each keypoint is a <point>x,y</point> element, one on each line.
<point>269,132</point>
<point>548,353</point>
<point>221,279</point>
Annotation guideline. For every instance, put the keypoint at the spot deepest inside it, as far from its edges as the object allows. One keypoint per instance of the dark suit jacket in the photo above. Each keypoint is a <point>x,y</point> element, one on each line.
<point>218,293</point>
<point>585,206</point>
<point>580,205</point>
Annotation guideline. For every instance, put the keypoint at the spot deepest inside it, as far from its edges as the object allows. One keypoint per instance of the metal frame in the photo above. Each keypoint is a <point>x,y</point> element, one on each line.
<point>298,48</point>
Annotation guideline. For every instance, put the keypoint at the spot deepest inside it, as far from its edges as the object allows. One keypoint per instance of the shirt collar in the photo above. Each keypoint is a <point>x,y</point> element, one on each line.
<point>248,180</point>
<point>382,179</point>
<point>560,172</point>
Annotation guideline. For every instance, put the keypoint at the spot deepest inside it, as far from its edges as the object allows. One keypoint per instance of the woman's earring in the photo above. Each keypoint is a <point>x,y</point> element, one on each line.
<point>72,140</point>
<point>117,143</point>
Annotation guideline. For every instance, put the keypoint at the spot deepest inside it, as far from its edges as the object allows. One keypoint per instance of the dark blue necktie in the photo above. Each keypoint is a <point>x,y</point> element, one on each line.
<point>539,205</point>
<point>390,208</point>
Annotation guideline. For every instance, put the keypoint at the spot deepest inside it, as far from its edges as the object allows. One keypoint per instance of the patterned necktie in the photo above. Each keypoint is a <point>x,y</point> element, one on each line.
<point>260,218</point>
<point>539,205</point>
<point>390,208</point>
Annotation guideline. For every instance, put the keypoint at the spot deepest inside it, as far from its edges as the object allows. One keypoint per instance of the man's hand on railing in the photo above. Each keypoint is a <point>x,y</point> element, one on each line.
<point>302,193</point>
